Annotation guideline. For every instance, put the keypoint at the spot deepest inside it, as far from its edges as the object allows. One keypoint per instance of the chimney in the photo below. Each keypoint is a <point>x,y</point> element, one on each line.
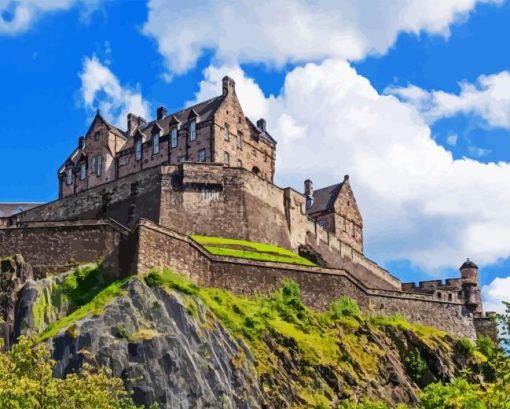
<point>229,85</point>
<point>309,193</point>
<point>80,142</point>
<point>261,124</point>
<point>133,122</point>
<point>161,113</point>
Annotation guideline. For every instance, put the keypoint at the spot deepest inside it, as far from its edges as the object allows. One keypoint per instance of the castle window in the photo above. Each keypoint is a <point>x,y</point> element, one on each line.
<point>173,138</point>
<point>226,159</point>
<point>93,165</point>
<point>239,163</point>
<point>155,144</point>
<point>99,162</point>
<point>239,140</point>
<point>345,224</point>
<point>201,155</point>
<point>225,133</point>
<point>322,223</point>
<point>438,295</point>
<point>69,176</point>
<point>182,159</point>
<point>353,230</point>
<point>96,136</point>
<point>193,130</point>
<point>134,189</point>
<point>83,171</point>
<point>138,150</point>
<point>450,297</point>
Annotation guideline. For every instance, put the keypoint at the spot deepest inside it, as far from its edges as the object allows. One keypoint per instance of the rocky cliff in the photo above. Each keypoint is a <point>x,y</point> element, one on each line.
<point>188,347</point>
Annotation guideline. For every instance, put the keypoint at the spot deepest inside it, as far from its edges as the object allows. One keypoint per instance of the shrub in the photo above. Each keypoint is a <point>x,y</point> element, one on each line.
<point>415,365</point>
<point>345,306</point>
<point>466,346</point>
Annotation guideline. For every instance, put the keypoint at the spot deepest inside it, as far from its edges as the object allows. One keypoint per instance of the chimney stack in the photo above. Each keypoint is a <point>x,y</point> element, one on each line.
<point>133,122</point>
<point>309,193</point>
<point>161,113</point>
<point>229,85</point>
<point>261,124</point>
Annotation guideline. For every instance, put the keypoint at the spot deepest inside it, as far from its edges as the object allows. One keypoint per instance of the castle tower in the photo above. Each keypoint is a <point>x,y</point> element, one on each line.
<point>471,287</point>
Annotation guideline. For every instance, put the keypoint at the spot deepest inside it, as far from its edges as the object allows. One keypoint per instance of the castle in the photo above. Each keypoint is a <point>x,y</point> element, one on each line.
<point>136,198</point>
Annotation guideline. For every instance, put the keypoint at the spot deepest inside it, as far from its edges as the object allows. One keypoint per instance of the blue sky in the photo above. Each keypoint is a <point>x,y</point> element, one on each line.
<point>409,100</point>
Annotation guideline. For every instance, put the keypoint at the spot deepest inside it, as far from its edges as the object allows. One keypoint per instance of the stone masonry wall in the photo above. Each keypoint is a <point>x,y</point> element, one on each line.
<point>56,246</point>
<point>319,286</point>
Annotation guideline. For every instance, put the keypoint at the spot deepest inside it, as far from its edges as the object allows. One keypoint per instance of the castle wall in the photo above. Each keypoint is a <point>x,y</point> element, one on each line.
<point>56,247</point>
<point>319,287</point>
<point>138,194</point>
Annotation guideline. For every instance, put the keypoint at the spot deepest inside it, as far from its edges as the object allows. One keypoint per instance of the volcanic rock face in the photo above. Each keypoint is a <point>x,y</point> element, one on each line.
<point>14,272</point>
<point>165,355</point>
<point>169,347</point>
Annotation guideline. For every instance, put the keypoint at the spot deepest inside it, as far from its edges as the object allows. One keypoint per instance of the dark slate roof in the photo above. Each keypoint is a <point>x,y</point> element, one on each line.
<point>324,199</point>
<point>205,110</point>
<point>468,264</point>
<point>10,209</point>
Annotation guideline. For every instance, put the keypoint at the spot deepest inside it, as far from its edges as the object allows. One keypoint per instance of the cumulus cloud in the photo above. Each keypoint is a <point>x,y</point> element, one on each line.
<point>488,98</point>
<point>17,16</point>
<point>494,293</point>
<point>276,32</point>
<point>101,89</point>
<point>418,202</point>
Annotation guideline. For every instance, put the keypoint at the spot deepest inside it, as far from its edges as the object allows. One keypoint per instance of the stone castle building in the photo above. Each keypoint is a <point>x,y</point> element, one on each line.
<point>136,198</point>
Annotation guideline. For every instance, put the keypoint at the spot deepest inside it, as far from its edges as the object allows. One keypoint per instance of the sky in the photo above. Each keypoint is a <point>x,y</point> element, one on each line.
<point>411,98</point>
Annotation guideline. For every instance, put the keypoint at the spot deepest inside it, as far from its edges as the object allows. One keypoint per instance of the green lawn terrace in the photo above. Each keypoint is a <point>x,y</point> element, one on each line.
<point>220,246</point>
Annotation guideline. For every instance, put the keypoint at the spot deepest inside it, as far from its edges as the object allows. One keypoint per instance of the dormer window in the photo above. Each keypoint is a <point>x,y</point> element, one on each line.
<point>225,133</point>
<point>155,144</point>
<point>193,130</point>
<point>83,171</point>
<point>69,176</point>
<point>173,138</point>
<point>138,149</point>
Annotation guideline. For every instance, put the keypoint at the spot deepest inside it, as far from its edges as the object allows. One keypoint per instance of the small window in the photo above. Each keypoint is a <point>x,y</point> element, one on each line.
<point>345,224</point>
<point>173,138</point>
<point>93,165</point>
<point>193,131</point>
<point>155,144</point>
<point>450,297</point>
<point>225,133</point>
<point>353,230</point>
<point>182,159</point>
<point>99,165</point>
<point>83,171</point>
<point>138,150</point>
<point>134,189</point>
<point>239,140</point>
<point>96,136</point>
<point>201,155</point>
<point>322,223</point>
<point>226,159</point>
<point>69,176</point>
<point>438,295</point>
<point>239,163</point>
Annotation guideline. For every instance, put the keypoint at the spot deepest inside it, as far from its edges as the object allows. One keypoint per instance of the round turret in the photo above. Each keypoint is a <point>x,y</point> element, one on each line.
<point>469,271</point>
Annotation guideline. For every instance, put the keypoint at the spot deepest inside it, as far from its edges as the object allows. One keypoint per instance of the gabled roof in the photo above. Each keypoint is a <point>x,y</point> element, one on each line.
<point>324,199</point>
<point>205,110</point>
<point>112,128</point>
<point>10,209</point>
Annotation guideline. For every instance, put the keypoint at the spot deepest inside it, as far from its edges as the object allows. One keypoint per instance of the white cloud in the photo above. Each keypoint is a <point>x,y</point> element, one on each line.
<point>452,138</point>
<point>494,293</point>
<point>100,89</point>
<point>418,202</point>
<point>17,16</point>
<point>488,98</point>
<point>275,32</point>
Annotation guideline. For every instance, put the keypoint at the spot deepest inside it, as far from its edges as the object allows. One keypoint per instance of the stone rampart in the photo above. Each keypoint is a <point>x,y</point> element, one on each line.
<point>52,247</point>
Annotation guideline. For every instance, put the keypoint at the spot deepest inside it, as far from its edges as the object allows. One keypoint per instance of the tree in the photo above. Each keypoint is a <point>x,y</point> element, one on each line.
<point>26,382</point>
